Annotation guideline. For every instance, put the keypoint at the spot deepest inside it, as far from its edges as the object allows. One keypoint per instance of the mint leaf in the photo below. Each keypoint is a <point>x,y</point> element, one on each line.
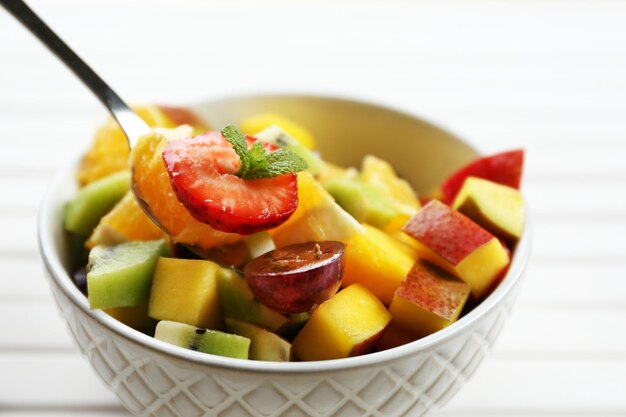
<point>256,162</point>
<point>240,145</point>
<point>285,160</point>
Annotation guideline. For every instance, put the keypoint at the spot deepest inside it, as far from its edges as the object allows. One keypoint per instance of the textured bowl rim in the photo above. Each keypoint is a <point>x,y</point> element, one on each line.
<point>62,280</point>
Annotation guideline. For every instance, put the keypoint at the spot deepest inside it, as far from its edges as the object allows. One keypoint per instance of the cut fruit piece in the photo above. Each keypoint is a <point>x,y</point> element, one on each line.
<point>296,278</point>
<point>203,340</point>
<point>202,172</point>
<point>293,326</point>
<point>277,136</point>
<point>349,324</point>
<point>134,317</point>
<point>238,303</point>
<point>428,300</point>
<point>394,336</point>
<point>455,243</point>
<point>380,174</point>
<point>186,291</point>
<point>504,168</point>
<point>120,276</point>
<point>317,217</point>
<point>109,150</point>
<point>152,185</point>
<point>265,345</point>
<point>83,213</point>
<point>378,262</point>
<point>259,243</point>
<point>365,202</point>
<point>497,208</point>
<point>255,124</point>
<point>124,223</point>
<point>331,171</point>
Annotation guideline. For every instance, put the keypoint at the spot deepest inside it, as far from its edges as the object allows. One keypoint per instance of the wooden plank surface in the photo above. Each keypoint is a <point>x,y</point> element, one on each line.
<point>549,76</point>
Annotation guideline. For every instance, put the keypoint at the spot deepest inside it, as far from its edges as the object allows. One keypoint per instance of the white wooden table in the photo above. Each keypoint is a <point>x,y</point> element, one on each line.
<point>548,76</point>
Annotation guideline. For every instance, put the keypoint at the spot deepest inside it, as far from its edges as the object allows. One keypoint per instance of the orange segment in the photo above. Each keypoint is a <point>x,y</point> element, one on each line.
<point>125,222</point>
<point>109,150</point>
<point>152,184</point>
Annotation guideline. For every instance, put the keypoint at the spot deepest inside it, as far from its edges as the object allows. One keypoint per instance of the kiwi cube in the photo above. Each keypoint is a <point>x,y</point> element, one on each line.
<point>93,201</point>
<point>121,275</point>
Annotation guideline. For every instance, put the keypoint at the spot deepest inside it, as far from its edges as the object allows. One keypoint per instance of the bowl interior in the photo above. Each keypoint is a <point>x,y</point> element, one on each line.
<point>345,131</point>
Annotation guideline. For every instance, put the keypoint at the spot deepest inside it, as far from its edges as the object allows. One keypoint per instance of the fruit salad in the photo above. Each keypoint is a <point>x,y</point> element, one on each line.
<point>255,247</point>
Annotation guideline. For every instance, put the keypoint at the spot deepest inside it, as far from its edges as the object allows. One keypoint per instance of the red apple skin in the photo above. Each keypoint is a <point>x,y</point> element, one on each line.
<point>434,290</point>
<point>504,168</point>
<point>368,344</point>
<point>446,231</point>
<point>297,278</point>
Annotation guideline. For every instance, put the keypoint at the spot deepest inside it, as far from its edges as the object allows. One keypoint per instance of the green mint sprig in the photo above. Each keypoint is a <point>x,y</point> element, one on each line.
<point>256,162</point>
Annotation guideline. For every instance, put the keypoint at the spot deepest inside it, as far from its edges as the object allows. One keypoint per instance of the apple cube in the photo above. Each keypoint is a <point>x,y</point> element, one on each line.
<point>455,243</point>
<point>394,336</point>
<point>186,291</point>
<point>349,324</point>
<point>428,300</point>
<point>497,208</point>
<point>378,262</point>
<point>504,168</point>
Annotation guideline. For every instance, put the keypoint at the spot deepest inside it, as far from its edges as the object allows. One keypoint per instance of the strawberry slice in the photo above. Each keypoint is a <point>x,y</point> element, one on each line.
<point>202,172</point>
<point>504,168</point>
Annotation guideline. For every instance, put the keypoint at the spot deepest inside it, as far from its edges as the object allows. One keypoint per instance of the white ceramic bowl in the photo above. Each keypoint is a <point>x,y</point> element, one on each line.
<point>152,378</point>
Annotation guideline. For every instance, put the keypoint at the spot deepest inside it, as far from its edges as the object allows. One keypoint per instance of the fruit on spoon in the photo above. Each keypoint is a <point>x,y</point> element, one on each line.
<point>230,182</point>
<point>296,278</point>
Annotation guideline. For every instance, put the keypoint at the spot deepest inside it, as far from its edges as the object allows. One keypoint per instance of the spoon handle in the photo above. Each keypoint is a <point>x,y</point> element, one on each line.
<point>132,124</point>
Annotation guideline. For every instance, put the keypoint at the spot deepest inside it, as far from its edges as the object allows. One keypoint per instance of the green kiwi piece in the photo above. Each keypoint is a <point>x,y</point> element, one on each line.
<point>93,201</point>
<point>121,275</point>
<point>203,340</point>
<point>363,201</point>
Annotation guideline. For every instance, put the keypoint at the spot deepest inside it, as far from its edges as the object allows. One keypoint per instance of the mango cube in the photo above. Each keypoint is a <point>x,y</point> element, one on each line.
<point>428,300</point>
<point>498,208</point>
<point>348,324</point>
<point>378,262</point>
<point>458,245</point>
<point>186,291</point>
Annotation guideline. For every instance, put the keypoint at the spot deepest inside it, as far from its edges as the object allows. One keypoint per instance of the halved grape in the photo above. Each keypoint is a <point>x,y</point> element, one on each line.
<point>296,278</point>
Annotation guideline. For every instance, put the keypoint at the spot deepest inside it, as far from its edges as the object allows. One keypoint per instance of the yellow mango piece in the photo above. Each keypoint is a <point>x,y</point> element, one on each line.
<point>317,217</point>
<point>186,291</point>
<point>124,223</point>
<point>255,124</point>
<point>109,150</point>
<point>497,208</point>
<point>348,324</point>
<point>378,262</point>
<point>428,300</point>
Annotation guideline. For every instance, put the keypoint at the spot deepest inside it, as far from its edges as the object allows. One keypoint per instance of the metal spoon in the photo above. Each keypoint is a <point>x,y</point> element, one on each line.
<point>132,125</point>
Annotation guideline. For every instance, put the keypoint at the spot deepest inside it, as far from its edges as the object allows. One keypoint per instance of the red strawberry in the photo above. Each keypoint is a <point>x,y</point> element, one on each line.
<point>503,168</point>
<point>202,172</point>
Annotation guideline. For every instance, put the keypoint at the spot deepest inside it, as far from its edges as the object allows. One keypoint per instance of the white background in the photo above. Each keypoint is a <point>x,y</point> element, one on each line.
<point>549,76</point>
